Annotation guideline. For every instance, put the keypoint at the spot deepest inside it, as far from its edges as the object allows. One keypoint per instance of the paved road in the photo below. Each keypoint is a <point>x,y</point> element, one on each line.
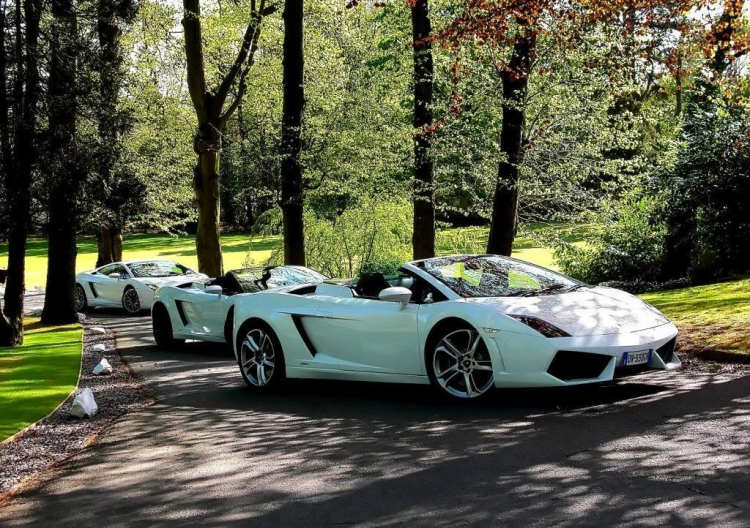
<point>656,450</point>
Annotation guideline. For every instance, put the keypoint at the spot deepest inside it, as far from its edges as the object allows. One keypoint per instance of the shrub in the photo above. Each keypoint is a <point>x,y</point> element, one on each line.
<point>629,246</point>
<point>371,236</point>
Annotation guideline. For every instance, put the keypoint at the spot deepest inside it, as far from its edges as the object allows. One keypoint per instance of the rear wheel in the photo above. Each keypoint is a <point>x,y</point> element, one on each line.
<point>260,356</point>
<point>162,327</point>
<point>459,363</point>
<point>130,301</point>
<point>79,296</point>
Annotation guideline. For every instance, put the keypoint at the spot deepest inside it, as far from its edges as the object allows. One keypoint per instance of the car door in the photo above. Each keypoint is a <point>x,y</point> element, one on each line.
<point>368,335</point>
<point>211,311</point>
<point>109,289</point>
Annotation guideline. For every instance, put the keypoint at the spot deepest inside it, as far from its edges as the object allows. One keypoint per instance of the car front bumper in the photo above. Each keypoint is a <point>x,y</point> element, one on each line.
<point>523,360</point>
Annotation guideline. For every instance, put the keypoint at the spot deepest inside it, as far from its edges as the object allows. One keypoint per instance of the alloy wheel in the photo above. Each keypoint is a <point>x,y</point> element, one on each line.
<point>258,357</point>
<point>79,297</point>
<point>131,302</point>
<point>462,365</point>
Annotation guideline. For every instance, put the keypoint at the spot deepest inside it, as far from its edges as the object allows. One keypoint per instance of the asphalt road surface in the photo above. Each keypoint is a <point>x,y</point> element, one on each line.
<point>661,449</point>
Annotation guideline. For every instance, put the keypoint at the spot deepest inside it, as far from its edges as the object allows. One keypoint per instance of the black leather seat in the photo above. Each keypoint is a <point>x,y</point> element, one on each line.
<point>371,284</point>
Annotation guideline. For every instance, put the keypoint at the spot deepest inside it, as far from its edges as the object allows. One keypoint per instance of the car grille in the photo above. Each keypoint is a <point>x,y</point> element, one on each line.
<point>666,351</point>
<point>568,365</point>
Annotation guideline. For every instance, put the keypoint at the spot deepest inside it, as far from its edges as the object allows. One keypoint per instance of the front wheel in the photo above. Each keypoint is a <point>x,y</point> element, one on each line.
<point>131,302</point>
<point>79,296</point>
<point>459,364</point>
<point>260,356</point>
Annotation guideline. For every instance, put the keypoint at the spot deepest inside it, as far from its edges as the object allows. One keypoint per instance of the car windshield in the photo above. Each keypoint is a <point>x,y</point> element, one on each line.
<point>159,268</point>
<point>254,280</point>
<point>495,276</point>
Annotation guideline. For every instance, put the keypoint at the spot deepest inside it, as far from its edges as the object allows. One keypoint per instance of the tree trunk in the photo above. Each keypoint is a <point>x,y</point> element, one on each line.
<point>109,117</point>
<point>208,237</point>
<point>59,306</point>
<point>6,151</point>
<point>212,118</point>
<point>109,245</point>
<point>515,81</point>
<point>104,247</point>
<point>18,187</point>
<point>423,238</point>
<point>291,134</point>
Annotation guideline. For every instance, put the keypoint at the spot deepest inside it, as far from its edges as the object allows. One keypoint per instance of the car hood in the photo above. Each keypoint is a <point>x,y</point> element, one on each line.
<point>171,281</point>
<point>592,311</point>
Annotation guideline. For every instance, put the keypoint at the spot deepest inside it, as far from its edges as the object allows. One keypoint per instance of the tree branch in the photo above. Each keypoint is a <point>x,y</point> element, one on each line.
<point>196,77</point>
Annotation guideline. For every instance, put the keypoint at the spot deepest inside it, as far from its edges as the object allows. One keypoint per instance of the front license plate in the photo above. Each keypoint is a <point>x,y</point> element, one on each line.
<point>636,358</point>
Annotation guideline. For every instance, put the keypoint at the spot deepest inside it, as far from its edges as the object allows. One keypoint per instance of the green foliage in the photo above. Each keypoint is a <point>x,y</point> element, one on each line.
<point>708,191</point>
<point>629,245</point>
<point>374,235</point>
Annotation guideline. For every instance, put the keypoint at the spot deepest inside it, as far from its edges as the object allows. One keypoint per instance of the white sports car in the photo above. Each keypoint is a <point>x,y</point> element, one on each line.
<point>204,310</point>
<point>129,285</point>
<point>464,324</point>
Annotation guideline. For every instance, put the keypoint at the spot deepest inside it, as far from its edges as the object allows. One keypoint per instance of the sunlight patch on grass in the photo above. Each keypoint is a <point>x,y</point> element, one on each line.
<point>36,377</point>
<point>714,316</point>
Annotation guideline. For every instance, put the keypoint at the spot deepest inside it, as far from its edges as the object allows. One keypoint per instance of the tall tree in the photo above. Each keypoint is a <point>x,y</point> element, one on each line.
<point>5,148</point>
<point>19,159</point>
<point>112,122</point>
<point>292,190</point>
<point>515,81</point>
<point>65,169</point>
<point>423,241</point>
<point>212,117</point>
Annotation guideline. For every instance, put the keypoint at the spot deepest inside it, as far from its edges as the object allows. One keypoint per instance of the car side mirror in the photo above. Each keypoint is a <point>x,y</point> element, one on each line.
<point>214,289</point>
<point>114,276</point>
<point>397,294</point>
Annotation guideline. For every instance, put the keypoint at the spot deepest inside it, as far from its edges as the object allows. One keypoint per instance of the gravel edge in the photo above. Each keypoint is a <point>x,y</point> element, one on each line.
<point>42,446</point>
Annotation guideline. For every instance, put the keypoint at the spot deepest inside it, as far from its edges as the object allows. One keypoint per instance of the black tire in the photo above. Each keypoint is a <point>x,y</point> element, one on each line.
<point>162,328</point>
<point>263,354</point>
<point>131,302</point>
<point>470,367</point>
<point>81,302</point>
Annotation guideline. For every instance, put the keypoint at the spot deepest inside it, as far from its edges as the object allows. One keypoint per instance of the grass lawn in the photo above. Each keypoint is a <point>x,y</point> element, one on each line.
<point>36,377</point>
<point>236,246</point>
<point>714,317</point>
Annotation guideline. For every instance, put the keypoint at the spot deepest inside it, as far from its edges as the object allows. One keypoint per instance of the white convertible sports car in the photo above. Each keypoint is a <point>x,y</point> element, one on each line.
<point>465,324</point>
<point>203,310</point>
<point>129,285</point>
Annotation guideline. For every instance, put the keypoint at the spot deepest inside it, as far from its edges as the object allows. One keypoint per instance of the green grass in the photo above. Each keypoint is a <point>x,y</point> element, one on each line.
<point>180,248</point>
<point>37,376</point>
<point>716,316</point>
<point>236,246</point>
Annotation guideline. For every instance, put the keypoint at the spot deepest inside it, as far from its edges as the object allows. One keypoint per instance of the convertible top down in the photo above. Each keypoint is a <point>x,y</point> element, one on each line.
<point>465,324</point>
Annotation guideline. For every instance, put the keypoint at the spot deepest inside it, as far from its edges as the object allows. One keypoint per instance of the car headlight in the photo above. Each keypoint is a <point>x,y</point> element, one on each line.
<point>541,326</point>
<point>152,287</point>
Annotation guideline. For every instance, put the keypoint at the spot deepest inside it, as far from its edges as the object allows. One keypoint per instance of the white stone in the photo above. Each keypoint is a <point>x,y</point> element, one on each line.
<point>84,405</point>
<point>97,330</point>
<point>36,312</point>
<point>103,368</point>
<point>99,347</point>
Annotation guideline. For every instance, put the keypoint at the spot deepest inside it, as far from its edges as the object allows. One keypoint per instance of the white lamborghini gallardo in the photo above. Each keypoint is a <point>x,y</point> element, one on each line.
<point>464,324</point>
<point>129,285</point>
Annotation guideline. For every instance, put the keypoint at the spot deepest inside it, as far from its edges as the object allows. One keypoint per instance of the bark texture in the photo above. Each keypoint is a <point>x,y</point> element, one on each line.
<point>292,191</point>
<point>19,161</point>
<point>515,82</point>
<point>423,238</point>
<point>66,177</point>
<point>212,118</point>
<point>109,244</point>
